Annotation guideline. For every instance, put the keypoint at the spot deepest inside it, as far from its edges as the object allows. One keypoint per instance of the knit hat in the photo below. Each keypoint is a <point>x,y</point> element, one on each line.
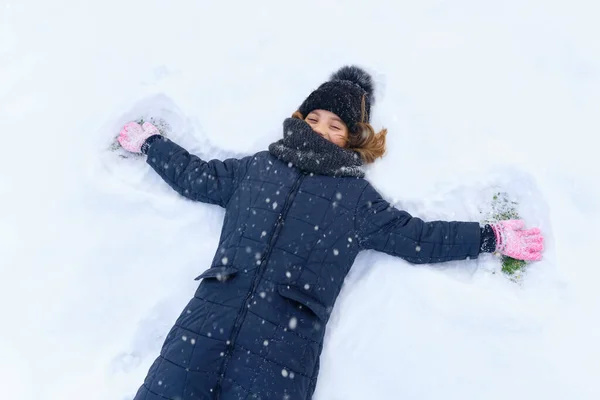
<point>343,95</point>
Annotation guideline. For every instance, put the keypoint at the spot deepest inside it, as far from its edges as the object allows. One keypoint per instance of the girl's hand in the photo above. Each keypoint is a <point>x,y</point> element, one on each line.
<point>514,241</point>
<point>133,135</point>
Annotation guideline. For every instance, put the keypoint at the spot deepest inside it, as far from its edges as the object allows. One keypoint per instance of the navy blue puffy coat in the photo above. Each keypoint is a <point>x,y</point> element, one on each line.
<point>254,328</point>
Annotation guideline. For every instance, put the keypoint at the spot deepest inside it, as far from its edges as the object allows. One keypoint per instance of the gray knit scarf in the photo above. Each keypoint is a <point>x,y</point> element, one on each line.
<point>310,152</point>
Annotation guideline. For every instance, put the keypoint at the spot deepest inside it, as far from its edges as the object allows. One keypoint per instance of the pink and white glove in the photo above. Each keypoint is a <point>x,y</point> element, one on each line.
<point>514,241</point>
<point>133,135</point>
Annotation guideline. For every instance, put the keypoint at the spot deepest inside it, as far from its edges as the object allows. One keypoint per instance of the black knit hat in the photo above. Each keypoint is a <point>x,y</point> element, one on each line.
<point>343,95</point>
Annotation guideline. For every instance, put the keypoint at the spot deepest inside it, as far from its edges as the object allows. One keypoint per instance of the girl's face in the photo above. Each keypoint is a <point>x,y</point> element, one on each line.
<point>329,126</point>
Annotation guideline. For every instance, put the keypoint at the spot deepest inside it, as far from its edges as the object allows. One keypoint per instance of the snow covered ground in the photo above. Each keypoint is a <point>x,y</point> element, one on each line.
<point>98,256</point>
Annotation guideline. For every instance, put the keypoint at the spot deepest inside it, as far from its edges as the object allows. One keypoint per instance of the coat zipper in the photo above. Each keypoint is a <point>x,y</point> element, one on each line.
<point>257,277</point>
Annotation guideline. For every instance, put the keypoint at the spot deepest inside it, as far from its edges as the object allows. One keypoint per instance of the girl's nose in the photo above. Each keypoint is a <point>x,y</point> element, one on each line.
<point>319,129</point>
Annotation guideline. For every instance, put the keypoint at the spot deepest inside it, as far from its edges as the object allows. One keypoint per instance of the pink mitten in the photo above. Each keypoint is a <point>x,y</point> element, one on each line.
<point>133,135</point>
<point>514,241</point>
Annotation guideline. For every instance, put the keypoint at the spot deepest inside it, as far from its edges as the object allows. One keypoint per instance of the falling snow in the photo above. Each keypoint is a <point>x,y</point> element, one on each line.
<point>524,321</point>
<point>293,323</point>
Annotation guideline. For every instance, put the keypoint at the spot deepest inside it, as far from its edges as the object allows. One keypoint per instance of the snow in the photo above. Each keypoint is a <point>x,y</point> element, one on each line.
<point>98,256</point>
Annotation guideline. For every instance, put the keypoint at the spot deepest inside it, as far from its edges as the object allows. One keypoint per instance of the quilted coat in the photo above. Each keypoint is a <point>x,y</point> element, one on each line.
<point>255,326</point>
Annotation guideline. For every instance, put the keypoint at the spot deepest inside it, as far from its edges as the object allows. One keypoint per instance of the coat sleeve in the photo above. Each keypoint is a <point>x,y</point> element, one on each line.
<point>382,227</point>
<point>209,182</point>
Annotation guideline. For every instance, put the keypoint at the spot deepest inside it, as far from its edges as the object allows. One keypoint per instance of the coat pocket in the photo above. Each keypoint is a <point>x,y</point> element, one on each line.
<point>221,273</point>
<point>297,295</point>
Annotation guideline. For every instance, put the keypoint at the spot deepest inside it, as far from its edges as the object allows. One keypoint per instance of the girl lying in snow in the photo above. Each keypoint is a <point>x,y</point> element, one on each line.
<point>296,217</point>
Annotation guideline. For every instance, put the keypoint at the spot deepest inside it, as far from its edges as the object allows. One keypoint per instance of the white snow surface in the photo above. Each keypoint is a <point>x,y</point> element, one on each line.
<point>98,255</point>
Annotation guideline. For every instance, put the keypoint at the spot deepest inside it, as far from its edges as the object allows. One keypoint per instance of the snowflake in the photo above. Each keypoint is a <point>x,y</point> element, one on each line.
<point>293,323</point>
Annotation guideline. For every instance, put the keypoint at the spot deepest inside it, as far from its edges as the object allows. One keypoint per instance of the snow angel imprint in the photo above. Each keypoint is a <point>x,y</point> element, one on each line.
<point>296,216</point>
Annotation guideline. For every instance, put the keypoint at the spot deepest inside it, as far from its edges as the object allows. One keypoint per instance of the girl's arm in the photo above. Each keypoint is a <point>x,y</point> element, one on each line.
<point>210,182</point>
<point>382,227</point>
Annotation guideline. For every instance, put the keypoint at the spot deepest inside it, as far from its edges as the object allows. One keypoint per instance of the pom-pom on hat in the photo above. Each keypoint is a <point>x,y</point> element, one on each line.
<point>343,95</point>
